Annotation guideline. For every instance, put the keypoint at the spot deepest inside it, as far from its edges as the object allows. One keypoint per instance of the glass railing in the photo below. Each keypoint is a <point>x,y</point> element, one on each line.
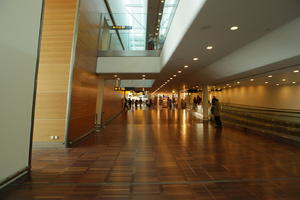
<point>128,31</point>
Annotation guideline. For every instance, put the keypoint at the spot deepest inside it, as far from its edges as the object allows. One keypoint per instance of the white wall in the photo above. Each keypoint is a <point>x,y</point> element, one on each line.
<point>280,97</point>
<point>186,13</point>
<point>128,65</point>
<point>19,37</point>
<point>279,45</point>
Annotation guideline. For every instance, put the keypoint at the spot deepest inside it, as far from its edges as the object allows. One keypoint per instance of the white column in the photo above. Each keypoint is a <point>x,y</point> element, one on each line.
<point>205,102</point>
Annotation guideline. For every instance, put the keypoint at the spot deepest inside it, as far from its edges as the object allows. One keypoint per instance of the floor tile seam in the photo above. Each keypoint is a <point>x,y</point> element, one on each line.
<point>165,183</point>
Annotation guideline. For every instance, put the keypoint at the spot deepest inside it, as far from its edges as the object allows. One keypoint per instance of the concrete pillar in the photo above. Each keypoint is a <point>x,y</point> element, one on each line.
<point>205,103</point>
<point>99,107</point>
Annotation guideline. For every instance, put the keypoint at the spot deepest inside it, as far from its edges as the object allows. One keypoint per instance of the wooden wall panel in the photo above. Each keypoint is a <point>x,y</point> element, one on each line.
<point>112,100</point>
<point>54,69</point>
<point>84,84</point>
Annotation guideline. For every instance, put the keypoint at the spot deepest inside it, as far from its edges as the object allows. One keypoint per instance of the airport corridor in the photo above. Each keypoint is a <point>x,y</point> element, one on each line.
<point>163,154</point>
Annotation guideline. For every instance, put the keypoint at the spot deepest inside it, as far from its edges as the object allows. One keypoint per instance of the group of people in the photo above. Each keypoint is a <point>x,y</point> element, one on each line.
<point>197,101</point>
<point>216,112</point>
<point>130,103</point>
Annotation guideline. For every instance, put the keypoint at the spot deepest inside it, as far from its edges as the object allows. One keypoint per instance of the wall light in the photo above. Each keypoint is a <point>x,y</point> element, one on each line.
<point>233,28</point>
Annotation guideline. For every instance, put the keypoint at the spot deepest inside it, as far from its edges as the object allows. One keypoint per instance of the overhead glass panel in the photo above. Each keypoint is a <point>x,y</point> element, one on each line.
<point>133,15</point>
<point>169,10</point>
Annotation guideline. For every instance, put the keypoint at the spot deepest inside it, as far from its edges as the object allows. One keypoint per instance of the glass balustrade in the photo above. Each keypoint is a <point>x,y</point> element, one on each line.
<point>128,31</point>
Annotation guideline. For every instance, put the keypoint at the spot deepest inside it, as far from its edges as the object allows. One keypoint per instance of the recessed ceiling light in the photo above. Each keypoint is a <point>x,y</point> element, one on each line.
<point>209,47</point>
<point>238,82</point>
<point>115,75</point>
<point>168,80</point>
<point>284,79</point>
<point>162,1</point>
<point>186,66</point>
<point>277,84</point>
<point>296,71</point>
<point>174,75</point>
<point>270,76</point>
<point>144,75</point>
<point>197,86</point>
<point>227,84</point>
<point>233,28</point>
<point>266,82</point>
<point>294,82</point>
<point>171,78</point>
<point>251,79</point>
<point>179,72</point>
<point>157,28</point>
<point>159,14</point>
<point>195,58</point>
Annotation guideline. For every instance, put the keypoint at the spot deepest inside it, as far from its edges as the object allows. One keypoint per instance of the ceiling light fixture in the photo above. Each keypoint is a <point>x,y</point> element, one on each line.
<point>195,58</point>
<point>171,78</point>
<point>209,47</point>
<point>174,75</point>
<point>277,84</point>
<point>159,14</point>
<point>296,71</point>
<point>238,82</point>
<point>266,82</point>
<point>234,28</point>
<point>115,75</point>
<point>186,66</point>
<point>294,82</point>
<point>179,72</point>
<point>251,79</point>
<point>144,75</point>
<point>270,76</point>
<point>284,79</point>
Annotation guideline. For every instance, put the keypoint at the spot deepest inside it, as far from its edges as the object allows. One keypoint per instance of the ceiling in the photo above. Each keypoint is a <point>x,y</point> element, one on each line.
<point>211,27</point>
<point>255,19</point>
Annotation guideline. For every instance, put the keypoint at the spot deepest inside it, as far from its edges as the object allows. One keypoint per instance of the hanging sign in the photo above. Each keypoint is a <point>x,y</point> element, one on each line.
<point>120,27</point>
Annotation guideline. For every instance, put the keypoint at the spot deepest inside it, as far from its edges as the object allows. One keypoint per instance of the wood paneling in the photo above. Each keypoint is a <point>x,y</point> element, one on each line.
<point>112,101</point>
<point>84,85</point>
<point>54,69</point>
<point>49,127</point>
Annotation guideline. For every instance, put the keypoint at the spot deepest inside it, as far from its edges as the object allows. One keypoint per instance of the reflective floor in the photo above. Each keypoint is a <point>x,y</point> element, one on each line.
<point>165,154</point>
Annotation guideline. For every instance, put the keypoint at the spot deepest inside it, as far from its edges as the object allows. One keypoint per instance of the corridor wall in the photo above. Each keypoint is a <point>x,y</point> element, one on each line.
<point>54,70</point>
<point>279,97</point>
<point>19,42</point>
<point>112,101</point>
<point>84,79</point>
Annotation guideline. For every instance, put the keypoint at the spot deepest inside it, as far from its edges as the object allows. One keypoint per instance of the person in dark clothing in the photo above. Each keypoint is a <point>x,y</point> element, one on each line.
<point>199,100</point>
<point>216,111</point>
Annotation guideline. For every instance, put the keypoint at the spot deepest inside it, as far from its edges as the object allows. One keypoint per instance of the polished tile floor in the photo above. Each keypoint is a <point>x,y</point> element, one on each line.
<point>164,154</point>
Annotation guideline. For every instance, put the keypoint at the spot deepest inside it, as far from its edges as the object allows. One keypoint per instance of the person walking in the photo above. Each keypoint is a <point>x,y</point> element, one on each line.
<point>216,111</point>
